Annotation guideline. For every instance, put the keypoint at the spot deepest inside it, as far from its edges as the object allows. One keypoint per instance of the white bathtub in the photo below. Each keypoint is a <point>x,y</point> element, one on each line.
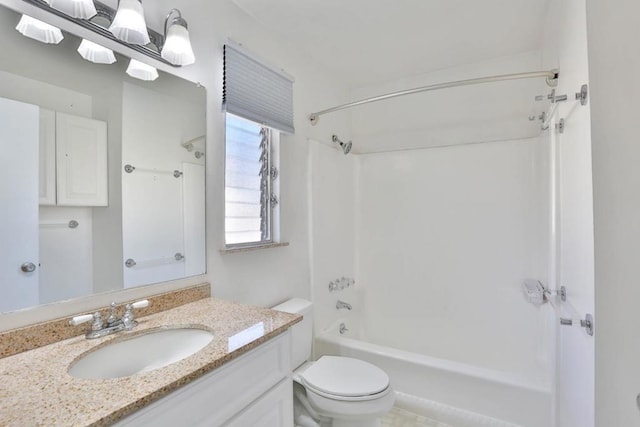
<point>454,393</point>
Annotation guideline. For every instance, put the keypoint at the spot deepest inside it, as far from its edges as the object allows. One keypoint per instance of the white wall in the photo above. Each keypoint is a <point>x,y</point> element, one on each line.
<point>566,49</point>
<point>47,96</point>
<point>107,220</point>
<point>332,184</point>
<point>614,67</point>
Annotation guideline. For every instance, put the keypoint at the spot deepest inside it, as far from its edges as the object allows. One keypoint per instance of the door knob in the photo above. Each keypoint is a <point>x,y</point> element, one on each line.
<point>28,267</point>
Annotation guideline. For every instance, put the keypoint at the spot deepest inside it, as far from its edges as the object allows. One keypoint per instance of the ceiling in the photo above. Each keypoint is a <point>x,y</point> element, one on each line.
<point>369,42</point>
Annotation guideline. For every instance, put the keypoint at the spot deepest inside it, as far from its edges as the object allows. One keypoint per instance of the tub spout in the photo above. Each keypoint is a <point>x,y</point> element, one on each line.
<point>343,305</point>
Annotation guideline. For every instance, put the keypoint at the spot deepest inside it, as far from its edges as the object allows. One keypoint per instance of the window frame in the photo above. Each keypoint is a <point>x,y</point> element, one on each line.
<point>272,191</point>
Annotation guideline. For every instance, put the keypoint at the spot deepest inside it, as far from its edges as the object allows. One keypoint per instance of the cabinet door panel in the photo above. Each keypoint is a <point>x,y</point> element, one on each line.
<point>225,392</point>
<point>81,161</point>
<point>274,409</point>
<point>19,195</point>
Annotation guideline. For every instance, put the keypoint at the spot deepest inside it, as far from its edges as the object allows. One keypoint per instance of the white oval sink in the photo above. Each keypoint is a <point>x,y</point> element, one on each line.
<point>140,353</point>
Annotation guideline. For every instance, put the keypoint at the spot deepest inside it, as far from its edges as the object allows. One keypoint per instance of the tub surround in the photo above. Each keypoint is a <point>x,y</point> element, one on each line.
<point>36,389</point>
<point>38,335</point>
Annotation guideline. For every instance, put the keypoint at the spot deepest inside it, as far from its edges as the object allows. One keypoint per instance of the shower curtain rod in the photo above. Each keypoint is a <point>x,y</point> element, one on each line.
<point>551,79</point>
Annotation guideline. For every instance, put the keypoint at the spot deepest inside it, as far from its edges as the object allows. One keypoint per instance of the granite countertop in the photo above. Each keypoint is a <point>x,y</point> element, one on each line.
<point>36,390</point>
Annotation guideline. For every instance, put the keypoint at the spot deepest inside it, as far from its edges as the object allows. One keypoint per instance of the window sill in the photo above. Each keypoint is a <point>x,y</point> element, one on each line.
<point>253,248</point>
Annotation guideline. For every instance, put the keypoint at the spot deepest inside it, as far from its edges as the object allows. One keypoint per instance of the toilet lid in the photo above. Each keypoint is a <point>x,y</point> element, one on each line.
<point>345,376</point>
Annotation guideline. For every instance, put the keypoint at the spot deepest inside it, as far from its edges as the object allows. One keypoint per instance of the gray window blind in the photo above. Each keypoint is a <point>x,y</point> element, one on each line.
<point>256,91</point>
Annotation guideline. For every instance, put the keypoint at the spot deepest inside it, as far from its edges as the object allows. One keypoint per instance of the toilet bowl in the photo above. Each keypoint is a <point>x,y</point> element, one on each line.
<point>333,391</point>
<point>348,391</point>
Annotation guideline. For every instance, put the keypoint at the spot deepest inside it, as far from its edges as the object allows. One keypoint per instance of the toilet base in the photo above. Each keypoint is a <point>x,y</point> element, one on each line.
<point>306,416</point>
<point>356,423</point>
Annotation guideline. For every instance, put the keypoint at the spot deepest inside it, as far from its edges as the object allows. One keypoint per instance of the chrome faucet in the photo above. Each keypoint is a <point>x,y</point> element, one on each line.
<point>343,305</point>
<point>113,324</point>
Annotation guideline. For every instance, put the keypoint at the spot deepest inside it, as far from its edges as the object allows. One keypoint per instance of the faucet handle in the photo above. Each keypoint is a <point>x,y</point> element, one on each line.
<point>96,317</point>
<point>78,320</point>
<point>128,318</point>
<point>140,304</point>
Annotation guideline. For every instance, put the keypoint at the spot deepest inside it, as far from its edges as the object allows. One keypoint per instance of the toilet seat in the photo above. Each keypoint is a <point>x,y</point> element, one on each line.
<point>345,379</point>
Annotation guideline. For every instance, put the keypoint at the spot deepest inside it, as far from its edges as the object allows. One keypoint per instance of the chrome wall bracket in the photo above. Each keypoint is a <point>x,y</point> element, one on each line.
<point>562,293</point>
<point>587,323</point>
<point>583,95</point>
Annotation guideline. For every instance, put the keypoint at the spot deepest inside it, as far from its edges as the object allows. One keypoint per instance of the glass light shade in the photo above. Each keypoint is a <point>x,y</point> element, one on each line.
<point>82,9</point>
<point>95,53</point>
<point>129,25</point>
<point>141,71</point>
<point>38,30</point>
<point>177,46</point>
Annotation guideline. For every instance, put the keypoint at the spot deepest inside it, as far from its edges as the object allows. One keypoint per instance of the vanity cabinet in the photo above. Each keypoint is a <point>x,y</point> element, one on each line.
<point>255,389</point>
<point>73,160</point>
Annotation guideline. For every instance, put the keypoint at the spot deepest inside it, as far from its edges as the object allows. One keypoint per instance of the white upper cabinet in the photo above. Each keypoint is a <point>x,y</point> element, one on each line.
<point>80,162</point>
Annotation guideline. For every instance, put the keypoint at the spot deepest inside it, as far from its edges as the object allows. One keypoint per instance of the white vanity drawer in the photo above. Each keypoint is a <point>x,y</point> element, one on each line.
<point>222,393</point>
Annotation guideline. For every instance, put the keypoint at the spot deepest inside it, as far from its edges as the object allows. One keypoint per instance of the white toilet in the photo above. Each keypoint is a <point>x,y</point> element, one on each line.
<point>333,391</point>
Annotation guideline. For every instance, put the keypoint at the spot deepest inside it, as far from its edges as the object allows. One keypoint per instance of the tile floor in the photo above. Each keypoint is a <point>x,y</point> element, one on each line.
<point>403,418</point>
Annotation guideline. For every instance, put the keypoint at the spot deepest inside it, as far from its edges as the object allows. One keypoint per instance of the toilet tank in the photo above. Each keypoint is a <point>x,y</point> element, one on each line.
<point>301,332</point>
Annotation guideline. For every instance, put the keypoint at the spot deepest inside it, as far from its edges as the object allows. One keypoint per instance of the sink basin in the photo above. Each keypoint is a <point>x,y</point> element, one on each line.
<point>140,353</point>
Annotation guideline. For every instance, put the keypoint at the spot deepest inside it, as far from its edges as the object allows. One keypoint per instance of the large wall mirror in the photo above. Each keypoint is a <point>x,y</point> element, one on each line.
<point>101,175</point>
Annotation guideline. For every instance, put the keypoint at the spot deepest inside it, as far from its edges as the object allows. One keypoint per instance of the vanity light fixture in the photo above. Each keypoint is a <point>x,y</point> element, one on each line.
<point>95,53</point>
<point>141,71</point>
<point>177,45</point>
<point>129,25</point>
<point>125,25</point>
<point>38,30</point>
<point>82,9</point>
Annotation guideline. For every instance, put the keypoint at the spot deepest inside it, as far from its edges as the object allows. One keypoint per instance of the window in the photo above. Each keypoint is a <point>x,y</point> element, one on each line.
<point>250,182</point>
<point>258,101</point>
